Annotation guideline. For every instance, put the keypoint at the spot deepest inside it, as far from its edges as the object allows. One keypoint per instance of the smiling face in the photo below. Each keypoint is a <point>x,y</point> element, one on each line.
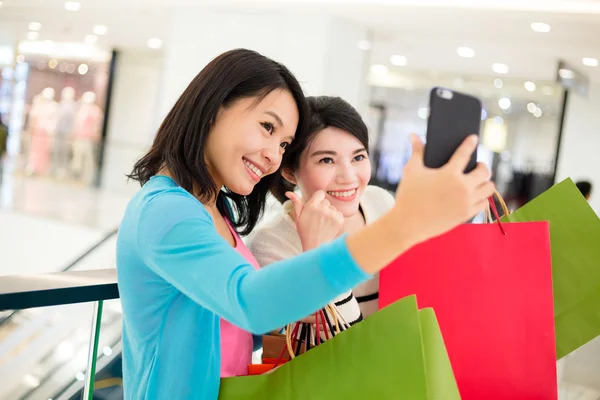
<point>248,139</point>
<point>336,162</point>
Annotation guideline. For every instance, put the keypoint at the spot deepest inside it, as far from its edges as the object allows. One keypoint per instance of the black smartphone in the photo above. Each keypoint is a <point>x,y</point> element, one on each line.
<point>453,116</point>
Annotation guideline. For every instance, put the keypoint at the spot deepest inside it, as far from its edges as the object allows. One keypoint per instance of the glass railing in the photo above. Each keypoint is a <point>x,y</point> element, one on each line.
<point>45,322</point>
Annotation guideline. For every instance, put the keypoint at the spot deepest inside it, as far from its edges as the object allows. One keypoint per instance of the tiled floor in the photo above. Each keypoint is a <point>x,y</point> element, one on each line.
<point>61,201</point>
<point>46,224</point>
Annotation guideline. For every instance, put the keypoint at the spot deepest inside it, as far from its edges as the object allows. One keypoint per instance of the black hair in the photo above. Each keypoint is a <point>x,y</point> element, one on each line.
<point>585,188</point>
<point>325,112</point>
<point>180,142</point>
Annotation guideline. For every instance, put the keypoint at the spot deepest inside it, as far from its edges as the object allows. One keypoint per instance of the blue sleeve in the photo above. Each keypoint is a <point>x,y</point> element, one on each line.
<point>178,241</point>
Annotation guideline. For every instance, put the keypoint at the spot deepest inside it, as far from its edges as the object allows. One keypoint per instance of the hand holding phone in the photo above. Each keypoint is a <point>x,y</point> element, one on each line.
<point>453,116</point>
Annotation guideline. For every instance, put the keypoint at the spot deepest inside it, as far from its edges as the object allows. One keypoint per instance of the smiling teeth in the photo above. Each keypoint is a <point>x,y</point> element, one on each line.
<point>343,194</point>
<point>257,171</point>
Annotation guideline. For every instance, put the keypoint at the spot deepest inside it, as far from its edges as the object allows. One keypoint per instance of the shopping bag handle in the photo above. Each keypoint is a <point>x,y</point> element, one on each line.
<point>291,331</point>
<point>494,210</point>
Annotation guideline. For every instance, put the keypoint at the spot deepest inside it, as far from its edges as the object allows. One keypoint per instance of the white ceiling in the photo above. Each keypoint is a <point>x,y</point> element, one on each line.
<point>428,35</point>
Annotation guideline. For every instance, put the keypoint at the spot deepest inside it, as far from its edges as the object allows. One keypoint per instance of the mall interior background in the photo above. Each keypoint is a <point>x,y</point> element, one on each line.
<point>84,86</point>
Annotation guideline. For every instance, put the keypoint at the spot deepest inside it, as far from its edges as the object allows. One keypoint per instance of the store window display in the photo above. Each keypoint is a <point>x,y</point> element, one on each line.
<point>43,123</point>
<point>67,108</point>
<point>58,127</point>
<point>88,121</point>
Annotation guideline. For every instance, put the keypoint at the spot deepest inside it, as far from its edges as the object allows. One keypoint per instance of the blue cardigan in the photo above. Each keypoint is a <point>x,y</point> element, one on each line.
<point>177,277</point>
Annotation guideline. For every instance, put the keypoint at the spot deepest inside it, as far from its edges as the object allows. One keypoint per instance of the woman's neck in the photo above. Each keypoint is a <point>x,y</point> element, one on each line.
<point>354,222</point>
<point>210,205</point>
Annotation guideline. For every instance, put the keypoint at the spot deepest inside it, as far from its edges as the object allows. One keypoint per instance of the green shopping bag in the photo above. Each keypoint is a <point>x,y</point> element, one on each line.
<point>575,246</point>
<point>398,352</point>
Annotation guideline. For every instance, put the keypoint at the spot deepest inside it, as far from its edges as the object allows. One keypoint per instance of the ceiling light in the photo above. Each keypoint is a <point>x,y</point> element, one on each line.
<point>364,45</point>
<point>80,376</point>
<point>498,83</point>
<point>423,111</point>
<point>379,69</point>
<point>531,107</point>
<point>32,35</point>
<point>484,114</point>
<point>107,351</point>
<point>530,86</point>
<point>398,60</point>
<point>31,381</point>
<point>537,113</point>
<point>540,27</point>
<point>53,63</point>
<point>35,26</point>
<point>504,103</point>
<point>465,52</point>
<point>500,68</point>
<point>100,29</point>
<point>590,62</point>
<point>499,120</point>
<point>72,6</point>
<point>90,39</point>
<point>154,43</point>
<point>0,4</point>
<point>566,73</point>
<point>82,69</point>
<point>547,90</point>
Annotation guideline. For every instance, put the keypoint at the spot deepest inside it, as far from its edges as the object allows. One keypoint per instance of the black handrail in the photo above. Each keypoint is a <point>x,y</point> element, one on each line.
<point>44,290</point>
<point>41,285</point>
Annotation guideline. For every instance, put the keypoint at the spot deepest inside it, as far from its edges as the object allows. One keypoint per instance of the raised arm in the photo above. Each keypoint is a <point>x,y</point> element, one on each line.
<point>186,250</point>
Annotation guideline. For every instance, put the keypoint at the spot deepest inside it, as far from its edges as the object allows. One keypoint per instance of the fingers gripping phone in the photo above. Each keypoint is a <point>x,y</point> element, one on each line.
<point>453,116</point>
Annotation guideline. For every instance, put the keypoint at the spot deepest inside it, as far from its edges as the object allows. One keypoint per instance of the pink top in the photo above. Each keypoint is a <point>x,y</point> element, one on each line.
<point>236,344</point>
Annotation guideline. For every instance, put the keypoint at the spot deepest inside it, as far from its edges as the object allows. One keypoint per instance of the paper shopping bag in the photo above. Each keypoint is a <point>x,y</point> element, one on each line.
<point>395,353</point>
<point>492,294</point>
<point>575,243</point>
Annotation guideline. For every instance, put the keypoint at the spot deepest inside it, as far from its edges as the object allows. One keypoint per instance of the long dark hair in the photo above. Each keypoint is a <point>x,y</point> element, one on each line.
<point>325,112</point>
<point>180,142</point>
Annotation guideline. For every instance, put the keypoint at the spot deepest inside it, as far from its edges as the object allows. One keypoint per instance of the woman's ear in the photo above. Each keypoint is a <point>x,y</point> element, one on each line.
<point>289,176</point>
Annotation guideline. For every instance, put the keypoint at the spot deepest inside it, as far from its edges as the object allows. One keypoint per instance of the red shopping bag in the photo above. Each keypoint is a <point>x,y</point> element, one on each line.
<point>492,294</point>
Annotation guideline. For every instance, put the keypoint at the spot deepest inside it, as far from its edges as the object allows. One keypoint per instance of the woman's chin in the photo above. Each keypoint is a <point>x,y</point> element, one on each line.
<point>241,189</point>
<point>347,210</point>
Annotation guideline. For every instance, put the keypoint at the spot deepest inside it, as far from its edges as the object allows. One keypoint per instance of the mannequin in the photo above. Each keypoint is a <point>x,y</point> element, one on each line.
<point>64,129</point>
<point>43,123</point>
<point>88,120</point>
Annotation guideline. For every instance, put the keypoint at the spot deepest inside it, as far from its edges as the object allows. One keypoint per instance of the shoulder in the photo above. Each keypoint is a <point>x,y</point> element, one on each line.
<point>161,205</point>
<point>377,199</point>
<point>277,240</point>
<point>166,200</point>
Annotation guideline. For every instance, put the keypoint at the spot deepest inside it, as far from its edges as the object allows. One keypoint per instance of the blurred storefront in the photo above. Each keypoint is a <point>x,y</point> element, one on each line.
<point>53,98</point>
<point>519,126</point>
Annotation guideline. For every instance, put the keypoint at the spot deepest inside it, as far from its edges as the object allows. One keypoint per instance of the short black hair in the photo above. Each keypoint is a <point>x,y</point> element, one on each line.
<point>585,188</point>
<point>180,142</point>
<point>325,112</point>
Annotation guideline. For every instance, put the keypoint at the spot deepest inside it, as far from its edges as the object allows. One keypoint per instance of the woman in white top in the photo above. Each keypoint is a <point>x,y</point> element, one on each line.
<point>332,163</point>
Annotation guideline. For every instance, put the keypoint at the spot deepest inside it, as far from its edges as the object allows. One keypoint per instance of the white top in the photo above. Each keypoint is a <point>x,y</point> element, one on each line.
<point>279,240</point>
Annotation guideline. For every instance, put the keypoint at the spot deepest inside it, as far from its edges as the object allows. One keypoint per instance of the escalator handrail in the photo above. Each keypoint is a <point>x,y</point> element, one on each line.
<point>71,265</point>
